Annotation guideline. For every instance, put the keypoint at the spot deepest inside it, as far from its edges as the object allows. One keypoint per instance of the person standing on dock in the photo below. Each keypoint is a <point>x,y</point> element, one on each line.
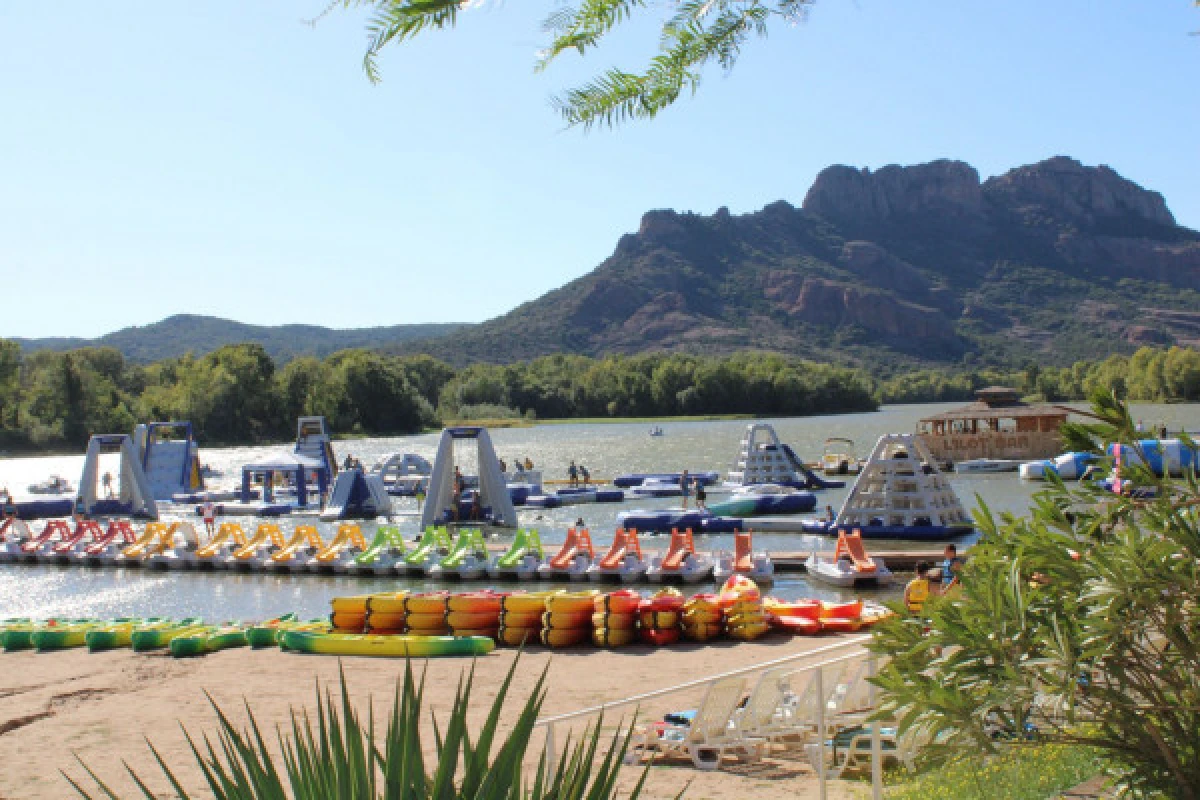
<point>10,507</point>
<point>684,486</point>
<point>701,496</point>
<point>209,512</point>
<point>585,477</point>
<point>573,474</point>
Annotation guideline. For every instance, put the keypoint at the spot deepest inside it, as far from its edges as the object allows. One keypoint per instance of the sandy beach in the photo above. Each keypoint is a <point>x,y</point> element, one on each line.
<point>103,706</point>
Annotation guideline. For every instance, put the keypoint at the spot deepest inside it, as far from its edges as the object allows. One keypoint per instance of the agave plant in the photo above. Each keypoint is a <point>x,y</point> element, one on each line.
<point>341,757</point>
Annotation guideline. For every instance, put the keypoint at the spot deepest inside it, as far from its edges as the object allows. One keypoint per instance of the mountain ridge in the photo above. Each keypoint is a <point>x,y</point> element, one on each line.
<point>921,265</point>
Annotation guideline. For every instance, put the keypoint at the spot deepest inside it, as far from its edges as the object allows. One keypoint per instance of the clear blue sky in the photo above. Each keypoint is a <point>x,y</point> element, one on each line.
<point>225,158</point>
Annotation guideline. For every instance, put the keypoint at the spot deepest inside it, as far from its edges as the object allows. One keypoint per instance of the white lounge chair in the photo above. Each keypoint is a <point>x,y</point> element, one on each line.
<point>707,739</point>
<point>775,713</point>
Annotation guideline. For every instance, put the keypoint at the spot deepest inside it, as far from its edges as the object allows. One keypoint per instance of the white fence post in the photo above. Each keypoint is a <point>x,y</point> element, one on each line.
<point>820,701</point>
<point>876,739</point>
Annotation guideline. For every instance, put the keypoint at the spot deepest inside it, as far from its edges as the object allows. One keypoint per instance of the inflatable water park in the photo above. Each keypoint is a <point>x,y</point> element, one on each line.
<point>436,624</point>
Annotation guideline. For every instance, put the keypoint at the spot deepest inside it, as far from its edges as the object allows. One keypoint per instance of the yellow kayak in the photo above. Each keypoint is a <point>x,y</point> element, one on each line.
<point>348,644</point>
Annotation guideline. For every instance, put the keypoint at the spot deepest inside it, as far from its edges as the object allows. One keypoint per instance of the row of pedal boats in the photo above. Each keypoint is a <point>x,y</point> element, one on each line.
<point>440,553</point>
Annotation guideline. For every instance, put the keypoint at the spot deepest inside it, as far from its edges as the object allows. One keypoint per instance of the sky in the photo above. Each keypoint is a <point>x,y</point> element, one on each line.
<point>231,159</point>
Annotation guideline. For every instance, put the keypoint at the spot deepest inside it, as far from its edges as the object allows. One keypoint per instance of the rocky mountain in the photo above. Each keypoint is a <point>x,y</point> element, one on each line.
<point>182,333</point>
<point>922,264</point>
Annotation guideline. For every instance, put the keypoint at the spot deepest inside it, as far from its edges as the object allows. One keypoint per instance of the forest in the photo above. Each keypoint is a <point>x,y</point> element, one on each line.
<point>238,395</point>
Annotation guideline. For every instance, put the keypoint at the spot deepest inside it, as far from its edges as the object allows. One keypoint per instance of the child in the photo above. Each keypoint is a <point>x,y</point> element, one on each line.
<point>950,567</point>
<point>209,512</point>
<point>916,593</point>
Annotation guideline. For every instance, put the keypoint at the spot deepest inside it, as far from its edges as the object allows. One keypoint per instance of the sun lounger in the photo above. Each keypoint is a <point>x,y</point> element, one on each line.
<point>707,739</point>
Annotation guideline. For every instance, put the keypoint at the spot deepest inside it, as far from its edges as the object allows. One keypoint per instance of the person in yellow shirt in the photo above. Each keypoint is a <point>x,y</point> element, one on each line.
<point>916,593</point>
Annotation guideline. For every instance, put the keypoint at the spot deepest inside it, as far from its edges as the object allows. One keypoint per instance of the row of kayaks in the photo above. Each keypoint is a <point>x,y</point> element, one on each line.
<point>193,637</point>
<point>438,554</point>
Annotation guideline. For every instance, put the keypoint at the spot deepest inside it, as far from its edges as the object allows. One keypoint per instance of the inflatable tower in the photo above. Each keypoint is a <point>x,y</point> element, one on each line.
<point>493,491</point>
<point>170,458</point>
<point>129,491</point>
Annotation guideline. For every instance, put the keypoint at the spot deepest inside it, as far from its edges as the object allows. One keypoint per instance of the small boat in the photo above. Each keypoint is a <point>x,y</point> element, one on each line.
<point>986,466</point>
<point>681,561</point>
<point>838,457</point>
<point>850,566</point>
<point>656,431</point>
<point>572,560</point>
<point>388,646</point>
<point>758,567</point>
<point>55,484</point>
<point>623,562</point>
<point>522,560</point>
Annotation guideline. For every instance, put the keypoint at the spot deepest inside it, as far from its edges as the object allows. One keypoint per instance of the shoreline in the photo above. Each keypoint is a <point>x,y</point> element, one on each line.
<point>102,706</point>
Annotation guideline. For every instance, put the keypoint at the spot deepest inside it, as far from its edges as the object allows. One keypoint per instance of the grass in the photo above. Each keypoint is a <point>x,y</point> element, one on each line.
<point>1020,772</point>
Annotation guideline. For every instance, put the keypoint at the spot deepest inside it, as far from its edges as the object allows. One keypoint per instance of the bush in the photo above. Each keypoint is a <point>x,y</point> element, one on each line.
<point>1017,773</point>
<point>341,758</point>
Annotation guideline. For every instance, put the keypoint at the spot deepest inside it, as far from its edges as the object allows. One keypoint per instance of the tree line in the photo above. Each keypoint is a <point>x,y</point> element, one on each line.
<point>238,394</point>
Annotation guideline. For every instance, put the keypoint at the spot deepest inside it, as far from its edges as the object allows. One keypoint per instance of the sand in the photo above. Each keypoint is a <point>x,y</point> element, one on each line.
<point>102,707</point>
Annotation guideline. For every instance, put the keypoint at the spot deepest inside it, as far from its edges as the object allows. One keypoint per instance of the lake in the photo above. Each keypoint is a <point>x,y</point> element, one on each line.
<point>607,450</point>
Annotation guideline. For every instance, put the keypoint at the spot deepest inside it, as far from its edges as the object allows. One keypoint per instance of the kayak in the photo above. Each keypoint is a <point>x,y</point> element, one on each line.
<point>624,601</point>
<point>529,603</point>
<point>267,634</point>
<point>565,637</point>
<point>522,619</point>
<point>659,619</point>
<point>143,639</point>
<point>517,636</point>
<point>801,625</point>
<point>476,603</point>
<point>614,621</point>
<point>209,641</point>
<point>19,636</point>
<point>63,637</point>
<point>567,620</point>
<point>112,636</point>
<point>573,603</point>
<point>613,637</point>
<point>386,646</point>
<point>701,631</point>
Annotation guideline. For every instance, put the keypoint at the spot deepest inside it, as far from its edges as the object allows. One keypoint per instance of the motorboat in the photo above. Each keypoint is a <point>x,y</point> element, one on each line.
<point>55,484</point>
<point>850,566</point>
<point>656,431</point>
<point>838,457</point>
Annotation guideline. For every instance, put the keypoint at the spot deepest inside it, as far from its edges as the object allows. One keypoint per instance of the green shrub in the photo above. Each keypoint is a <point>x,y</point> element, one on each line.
<point>1020,772</point>
<point>341,758</point>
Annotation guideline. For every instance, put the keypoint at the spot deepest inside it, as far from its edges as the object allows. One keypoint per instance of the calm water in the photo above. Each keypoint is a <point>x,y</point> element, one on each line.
<point>606,449</point>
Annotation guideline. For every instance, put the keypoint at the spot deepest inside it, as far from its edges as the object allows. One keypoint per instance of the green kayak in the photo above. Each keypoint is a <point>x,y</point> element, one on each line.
<point>209,641</point>
<point>111,637</point>
<point>387,646</point>
<point>66,636</point>
<point>19,636</point>
<point>153,638</point>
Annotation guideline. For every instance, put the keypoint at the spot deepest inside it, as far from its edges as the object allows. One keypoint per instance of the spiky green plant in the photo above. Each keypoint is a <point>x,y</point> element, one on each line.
<point>341,757</point>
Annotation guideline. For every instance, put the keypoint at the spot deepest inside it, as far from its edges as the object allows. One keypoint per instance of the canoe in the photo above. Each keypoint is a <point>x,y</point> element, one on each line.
<point>429,603</point>
<point>659,637</point>
<point>702,631</point>
<point>350,605</point>
<point>567,620</point>
<point>144,639</point>
<point>19,635</point>
<point>619,622</point>
<point>476,603</point>
<point>386,603</point>
<point>840,624</point>
<point>209,640</point>
<point>802,625</point>
<point>622,602</point>
<point>565,637</point>
<point>613,637</point>
<point>515,637</point>
<point>577,602</point>
<point>659,619</point>
<point>110,637</point>
<point>459,620</point>
<point>267,634</point>
<point>528,603</point>
<point>852,610</point>
<point>386,646</point>
<point>522,619</point>
<point>749,631</point>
